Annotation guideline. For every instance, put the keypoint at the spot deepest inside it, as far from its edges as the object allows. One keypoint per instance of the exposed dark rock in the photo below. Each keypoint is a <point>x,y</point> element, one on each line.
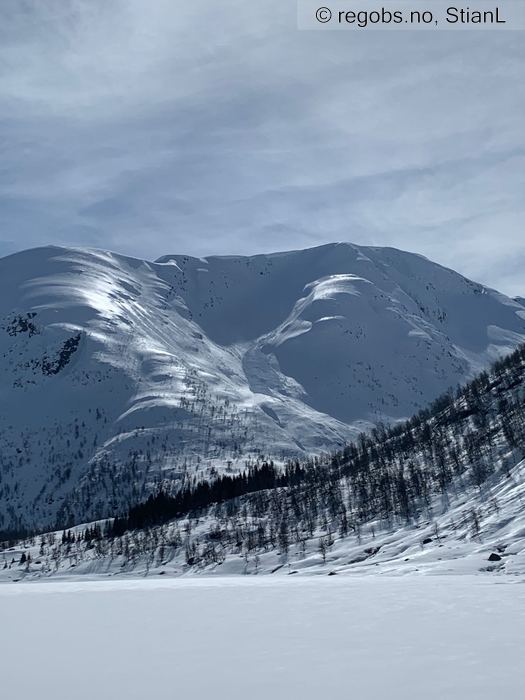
<point>69,347</point>
<point>494,557</point>
<point>22,324</point>
<point>372,550</point>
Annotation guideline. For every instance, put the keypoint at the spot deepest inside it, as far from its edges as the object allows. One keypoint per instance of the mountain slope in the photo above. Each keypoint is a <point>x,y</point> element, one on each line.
<point>440,493</point>
<point>367,333</point>
<point>116,373</point>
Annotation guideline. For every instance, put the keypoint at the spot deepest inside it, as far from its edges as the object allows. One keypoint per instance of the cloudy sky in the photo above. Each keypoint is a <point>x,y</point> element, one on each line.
<point>217,127</point>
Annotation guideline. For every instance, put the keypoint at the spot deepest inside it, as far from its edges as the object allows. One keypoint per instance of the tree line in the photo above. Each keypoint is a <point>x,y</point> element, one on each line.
<point>391,476</point>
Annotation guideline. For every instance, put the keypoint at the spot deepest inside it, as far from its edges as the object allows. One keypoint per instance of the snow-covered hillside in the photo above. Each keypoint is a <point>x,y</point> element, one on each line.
<point>116,373</point>
<point>477,533</point>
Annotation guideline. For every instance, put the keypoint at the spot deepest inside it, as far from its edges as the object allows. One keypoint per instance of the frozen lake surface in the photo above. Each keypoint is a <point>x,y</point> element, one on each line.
<point>435,637</point>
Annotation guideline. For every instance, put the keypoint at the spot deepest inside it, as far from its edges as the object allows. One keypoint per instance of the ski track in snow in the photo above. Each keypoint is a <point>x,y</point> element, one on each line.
<point>459,638</point>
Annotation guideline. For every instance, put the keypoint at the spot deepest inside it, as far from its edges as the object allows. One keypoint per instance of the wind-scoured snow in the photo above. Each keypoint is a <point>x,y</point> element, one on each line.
<point>116,373</point>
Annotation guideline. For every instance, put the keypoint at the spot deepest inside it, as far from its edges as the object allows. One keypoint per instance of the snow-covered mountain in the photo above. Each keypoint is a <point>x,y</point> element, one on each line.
<point>440,493</point>
<point>117,372</point>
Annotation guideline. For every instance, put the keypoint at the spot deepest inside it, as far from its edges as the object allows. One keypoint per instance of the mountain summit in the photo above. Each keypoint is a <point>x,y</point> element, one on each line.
<point>117,373</point>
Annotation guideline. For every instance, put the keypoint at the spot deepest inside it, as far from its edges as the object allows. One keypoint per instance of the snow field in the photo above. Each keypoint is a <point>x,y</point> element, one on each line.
<point>453,638</point>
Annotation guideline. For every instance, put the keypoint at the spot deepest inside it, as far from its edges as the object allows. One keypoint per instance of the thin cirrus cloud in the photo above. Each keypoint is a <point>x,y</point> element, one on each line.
<point>150,128</point>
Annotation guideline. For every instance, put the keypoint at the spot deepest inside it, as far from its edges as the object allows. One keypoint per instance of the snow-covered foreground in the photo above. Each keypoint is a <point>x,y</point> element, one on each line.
<point>364,638</point>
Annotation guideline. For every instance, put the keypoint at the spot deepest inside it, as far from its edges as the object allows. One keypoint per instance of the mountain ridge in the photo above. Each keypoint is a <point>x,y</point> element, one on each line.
<point>119,373</point>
